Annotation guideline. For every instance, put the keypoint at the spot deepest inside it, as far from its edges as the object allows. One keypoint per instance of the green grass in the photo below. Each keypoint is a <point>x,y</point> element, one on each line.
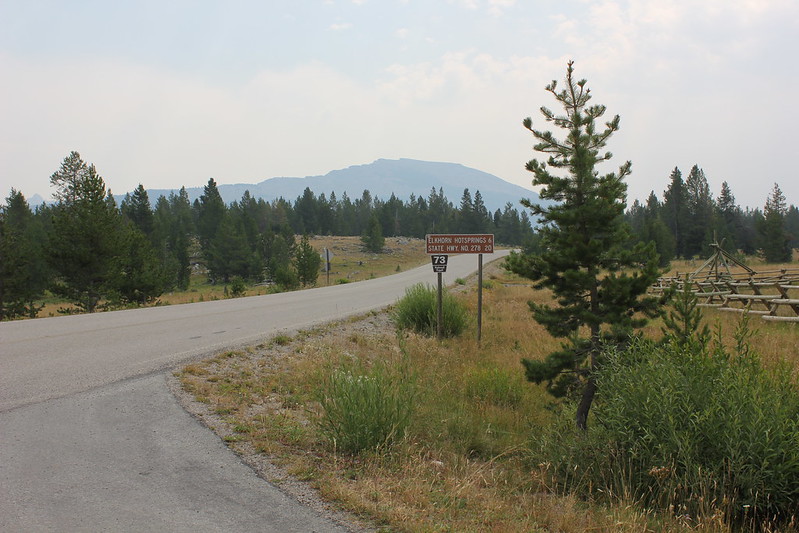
<point>366,408</point>
<point>418,311</point>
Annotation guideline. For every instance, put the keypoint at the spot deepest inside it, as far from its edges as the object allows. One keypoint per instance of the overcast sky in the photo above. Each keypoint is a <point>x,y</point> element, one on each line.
<point>170,93</point>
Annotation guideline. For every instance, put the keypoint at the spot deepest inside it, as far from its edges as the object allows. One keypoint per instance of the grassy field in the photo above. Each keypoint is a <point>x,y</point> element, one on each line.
<point>465,464</point>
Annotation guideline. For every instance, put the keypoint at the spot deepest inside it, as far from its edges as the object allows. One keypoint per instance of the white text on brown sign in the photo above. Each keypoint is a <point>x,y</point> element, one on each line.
<point>460,243</point>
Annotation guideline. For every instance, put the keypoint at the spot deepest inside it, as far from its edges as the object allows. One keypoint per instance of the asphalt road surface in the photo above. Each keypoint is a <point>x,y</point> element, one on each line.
<point>91,439</point>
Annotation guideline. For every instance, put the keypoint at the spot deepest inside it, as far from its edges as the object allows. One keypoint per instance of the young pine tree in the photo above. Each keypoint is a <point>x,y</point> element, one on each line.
<point>307,262</point>
<point>372,237</point>
<point>598,285</point>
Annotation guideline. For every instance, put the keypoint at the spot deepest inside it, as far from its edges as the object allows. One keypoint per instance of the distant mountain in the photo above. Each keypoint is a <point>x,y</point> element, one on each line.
<point>382,178</point>
<point>35,200</point>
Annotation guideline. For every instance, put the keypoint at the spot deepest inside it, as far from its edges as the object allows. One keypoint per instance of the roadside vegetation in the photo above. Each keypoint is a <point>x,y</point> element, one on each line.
<point>418,312</point>
<point>688,430</point>
<point>478,450</point>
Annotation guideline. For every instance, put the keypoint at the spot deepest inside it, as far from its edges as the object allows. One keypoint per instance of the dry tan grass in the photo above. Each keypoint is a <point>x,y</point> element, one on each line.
<point>352,262</point>
<point>464,466</point>
<point>775,342</point>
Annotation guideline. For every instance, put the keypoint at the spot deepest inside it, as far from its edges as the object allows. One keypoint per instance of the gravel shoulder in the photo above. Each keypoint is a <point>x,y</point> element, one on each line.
<point>264,465</point>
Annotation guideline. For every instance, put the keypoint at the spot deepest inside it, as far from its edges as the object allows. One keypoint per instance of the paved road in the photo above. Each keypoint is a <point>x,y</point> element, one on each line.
<point>92,440</point>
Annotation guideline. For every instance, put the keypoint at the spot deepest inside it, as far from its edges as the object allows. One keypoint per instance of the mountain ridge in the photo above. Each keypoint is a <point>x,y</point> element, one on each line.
<point>382,178</point>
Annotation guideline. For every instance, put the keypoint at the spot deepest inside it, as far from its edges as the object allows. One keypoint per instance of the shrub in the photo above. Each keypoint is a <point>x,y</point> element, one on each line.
<point>237,287</point>
<point>365,409</point>
<point>417,311</point>
<point>688,430</point>
<point>286,278</point>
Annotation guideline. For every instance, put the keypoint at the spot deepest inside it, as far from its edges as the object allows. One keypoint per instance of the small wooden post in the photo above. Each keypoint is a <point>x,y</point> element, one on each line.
<point>479,297</point>
<point>440,311</point>
<point>327,265</point>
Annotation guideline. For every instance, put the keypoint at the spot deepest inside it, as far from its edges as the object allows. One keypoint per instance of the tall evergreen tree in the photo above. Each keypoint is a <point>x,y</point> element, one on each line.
<point>364,210</point>
<point>211,210</point>
<point>139,275</point>
<point>792,226</point>
<point>85,235</point>
<point>750,237</point>
<point>467,222</point>
<point>23,269</point>
<point>775,239</point>
<point>596,282</point>
<point>279,248</point>
<point>327,214</point>
<point>306,209</point>
<point>180,236</point>
<point>392,214</point>
<point>346,217</point>
<point>440,212</point>
<point>136,208</point>
<point>655,231</point>
<point>647,225</point>
<point>228,253</point>
<point>416,223</point>
<point>481,217</point>
<point>699,233</point>
<point>728,219</point>
<point>675,210</point>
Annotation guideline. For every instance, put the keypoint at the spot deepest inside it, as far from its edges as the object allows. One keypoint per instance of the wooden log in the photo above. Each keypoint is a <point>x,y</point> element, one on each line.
<point>713,293</point>
<point>745,310</point>
<point>739,296</point>
<point>772,318</point>
<point>756,284</point>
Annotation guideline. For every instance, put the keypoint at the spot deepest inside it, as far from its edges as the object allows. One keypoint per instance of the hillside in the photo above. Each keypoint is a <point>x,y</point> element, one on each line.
<point>384,177</point>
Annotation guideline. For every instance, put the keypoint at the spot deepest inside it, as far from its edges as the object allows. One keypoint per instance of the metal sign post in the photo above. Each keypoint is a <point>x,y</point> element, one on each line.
<point>479,298</point>
<point>437,245</point>
<point>439,267</point>
<point>327,264</point>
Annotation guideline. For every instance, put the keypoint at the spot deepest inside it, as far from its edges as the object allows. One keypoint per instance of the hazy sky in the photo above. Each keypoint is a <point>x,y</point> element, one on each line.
<point>170,93</point>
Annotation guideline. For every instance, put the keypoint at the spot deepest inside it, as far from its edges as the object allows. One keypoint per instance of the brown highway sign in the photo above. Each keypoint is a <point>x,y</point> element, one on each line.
<point>460,243</point>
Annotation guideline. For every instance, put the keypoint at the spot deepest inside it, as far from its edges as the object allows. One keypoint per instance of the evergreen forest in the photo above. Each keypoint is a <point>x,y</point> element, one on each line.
<point>689,218</point>
<point>94,253</point>
<point>90,251</point>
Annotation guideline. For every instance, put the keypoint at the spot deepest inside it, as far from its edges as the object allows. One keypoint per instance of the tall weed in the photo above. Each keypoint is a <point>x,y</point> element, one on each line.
<point>366,408</point>
<point>417,311</point>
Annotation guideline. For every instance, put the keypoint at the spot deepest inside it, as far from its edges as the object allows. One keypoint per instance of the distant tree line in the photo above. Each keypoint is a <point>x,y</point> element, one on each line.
<point>689,219</point>
<point>90,251</point>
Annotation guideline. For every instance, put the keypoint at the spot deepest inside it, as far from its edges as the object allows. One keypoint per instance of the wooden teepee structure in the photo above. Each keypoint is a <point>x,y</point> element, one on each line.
<point>717,267</point>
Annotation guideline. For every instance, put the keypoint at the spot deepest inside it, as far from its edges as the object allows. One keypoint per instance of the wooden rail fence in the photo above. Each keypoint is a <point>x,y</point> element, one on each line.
<point>772,294</point>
